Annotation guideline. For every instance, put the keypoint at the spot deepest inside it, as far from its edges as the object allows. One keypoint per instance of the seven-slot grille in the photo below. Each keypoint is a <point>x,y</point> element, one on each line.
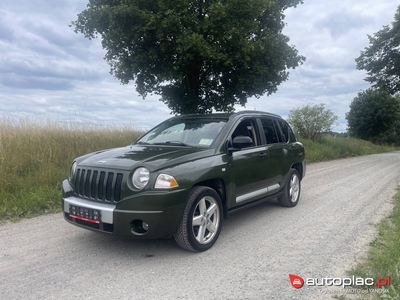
<point>100,185</point>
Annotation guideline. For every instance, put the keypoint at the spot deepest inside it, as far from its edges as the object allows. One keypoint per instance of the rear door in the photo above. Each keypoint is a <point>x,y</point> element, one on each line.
<point>277,163</point>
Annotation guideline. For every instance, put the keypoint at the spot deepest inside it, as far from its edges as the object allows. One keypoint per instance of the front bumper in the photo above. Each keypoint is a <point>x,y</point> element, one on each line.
<point>160,210</point>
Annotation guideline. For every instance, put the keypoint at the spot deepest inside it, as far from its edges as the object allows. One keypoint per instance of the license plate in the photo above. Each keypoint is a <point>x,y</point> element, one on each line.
<point>85,214</point>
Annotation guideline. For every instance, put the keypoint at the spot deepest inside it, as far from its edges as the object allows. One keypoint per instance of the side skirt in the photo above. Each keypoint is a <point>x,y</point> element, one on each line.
<point>252,203</point>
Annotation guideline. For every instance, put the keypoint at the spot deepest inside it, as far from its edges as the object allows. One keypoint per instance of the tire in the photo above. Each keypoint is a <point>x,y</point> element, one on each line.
<point>201,222</point>
<point>291,191</point>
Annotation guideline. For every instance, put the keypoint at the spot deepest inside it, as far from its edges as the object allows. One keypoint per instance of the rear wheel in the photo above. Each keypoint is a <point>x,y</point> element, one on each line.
<point>201,221</point>
<point>291,192</point>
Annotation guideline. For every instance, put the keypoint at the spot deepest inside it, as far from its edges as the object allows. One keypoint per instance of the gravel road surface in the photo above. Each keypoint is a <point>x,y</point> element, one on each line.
<point>325,235</point>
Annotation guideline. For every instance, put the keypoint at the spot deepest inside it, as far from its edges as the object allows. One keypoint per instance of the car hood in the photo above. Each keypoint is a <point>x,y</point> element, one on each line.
<point>151,157</point>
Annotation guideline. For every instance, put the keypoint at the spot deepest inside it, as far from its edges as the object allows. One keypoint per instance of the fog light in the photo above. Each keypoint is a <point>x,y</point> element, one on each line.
<point>139,227</point>
<point>145,226</point>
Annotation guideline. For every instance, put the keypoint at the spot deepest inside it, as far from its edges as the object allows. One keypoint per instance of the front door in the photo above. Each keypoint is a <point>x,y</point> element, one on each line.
<point>249,178</point>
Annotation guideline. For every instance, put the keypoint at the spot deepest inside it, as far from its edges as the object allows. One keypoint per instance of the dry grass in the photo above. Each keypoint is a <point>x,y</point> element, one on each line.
<point>35,157</point>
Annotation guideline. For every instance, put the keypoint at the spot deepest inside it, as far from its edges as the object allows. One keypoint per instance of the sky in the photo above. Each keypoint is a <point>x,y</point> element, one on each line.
<point>47,71</point>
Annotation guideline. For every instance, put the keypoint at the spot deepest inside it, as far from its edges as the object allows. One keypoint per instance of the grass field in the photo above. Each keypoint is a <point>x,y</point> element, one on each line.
<point>335,147</point>
<point>35,157</point>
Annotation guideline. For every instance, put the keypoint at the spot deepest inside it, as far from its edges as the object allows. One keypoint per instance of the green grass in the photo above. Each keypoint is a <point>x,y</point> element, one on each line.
<point>329,148</point>
<point>383,256</point>
<point>35,157</point>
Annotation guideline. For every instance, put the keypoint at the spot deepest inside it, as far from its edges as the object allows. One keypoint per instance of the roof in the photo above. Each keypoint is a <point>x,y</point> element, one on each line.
<point>229,115</point>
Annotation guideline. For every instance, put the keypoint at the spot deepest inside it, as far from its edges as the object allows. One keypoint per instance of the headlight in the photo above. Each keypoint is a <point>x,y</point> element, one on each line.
<point>72,170</point>
<point>140,178</point>
<point>165,181</point>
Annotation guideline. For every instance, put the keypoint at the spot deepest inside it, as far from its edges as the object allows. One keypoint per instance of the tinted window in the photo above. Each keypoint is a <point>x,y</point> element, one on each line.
<point>284,129</point>
<point>287,131</point>
<point>270,132</point>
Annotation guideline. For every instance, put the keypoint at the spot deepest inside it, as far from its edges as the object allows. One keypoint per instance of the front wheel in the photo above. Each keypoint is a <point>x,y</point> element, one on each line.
<point>291,190</point>
<point>201,221</point>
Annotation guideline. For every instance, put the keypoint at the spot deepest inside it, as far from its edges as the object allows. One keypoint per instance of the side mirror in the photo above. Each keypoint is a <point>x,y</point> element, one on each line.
<point>240,142</point>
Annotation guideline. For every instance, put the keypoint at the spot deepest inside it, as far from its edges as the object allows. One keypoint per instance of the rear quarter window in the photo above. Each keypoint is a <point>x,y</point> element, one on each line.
<point>287,133</point>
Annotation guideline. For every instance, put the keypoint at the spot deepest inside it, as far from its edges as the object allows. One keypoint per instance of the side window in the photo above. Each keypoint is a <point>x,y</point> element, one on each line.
<point>292,136</point>
<point>287,131</point>
<point>247,128</point>
<point>270,132</point>
<point>284,129</point>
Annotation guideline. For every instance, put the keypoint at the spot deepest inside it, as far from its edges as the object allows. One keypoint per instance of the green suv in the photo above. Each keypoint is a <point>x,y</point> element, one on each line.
<point>183,177</point>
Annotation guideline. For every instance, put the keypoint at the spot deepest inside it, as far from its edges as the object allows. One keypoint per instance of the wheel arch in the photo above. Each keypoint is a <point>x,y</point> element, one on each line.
<point>217,184</point>
<point>299,168</point>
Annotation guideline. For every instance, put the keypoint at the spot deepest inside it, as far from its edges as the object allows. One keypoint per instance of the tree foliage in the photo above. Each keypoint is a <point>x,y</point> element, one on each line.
<point>198,55</point>
<point>374,116</point>
<point>312,121</point>
<point>381,59</point>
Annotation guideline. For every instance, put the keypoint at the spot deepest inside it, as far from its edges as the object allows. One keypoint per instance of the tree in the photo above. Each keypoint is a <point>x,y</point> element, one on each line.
<point>198,55</point>
<point>312,121</point>
<point>381,59</point>
<point>374,116</point>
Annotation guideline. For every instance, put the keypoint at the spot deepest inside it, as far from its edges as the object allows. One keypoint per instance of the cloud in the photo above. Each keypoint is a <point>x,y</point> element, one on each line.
<point>48,71</point>
<point>330,35</point>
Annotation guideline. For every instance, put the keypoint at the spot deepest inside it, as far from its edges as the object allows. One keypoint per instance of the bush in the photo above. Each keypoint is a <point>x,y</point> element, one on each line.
<point>312,121</point>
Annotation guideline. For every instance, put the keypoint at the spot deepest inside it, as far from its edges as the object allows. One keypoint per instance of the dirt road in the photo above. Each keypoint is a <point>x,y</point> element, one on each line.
<point>329,230</point>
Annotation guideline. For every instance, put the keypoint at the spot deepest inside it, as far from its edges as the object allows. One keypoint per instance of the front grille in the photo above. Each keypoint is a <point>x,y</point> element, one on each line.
<point>99,185</point>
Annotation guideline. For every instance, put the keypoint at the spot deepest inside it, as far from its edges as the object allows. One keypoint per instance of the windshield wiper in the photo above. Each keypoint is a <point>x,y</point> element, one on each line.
<point>173,142</point>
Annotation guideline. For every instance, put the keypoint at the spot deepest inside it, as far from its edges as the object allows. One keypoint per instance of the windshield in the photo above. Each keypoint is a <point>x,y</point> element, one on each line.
<point>193,132</point>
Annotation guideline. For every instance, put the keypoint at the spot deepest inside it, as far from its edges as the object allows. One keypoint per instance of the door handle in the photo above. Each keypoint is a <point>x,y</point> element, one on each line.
<point>262,154</point>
